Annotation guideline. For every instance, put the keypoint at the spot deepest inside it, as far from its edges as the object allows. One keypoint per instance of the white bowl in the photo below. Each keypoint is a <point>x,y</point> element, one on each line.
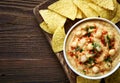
<point>64,50</point>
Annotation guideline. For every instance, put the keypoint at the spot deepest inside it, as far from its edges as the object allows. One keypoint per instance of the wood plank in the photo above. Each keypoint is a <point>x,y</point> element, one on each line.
<point>22,70</point>
<point>20,39</point>
<point>25,54</point>
<point>17,19</point>
<point>19,6</point>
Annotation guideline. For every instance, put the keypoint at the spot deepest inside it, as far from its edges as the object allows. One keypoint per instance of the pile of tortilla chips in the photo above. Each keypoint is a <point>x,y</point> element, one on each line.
<point>57,13</point>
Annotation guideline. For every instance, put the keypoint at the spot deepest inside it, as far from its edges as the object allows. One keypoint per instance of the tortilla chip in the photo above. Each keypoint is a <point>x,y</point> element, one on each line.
<point>52,19</point>
<point>117,16</point>
<point>116,19</point>
<point>107,4</point>
<point>115,7</point>
<point>118,10</point>
<point>58,39</point>
<point>83,6</point>
<point>65,8</point>
<point>114,78</point>
<point>104,13</point>
<point>44,27</point>
<point>79,14</point>
<point>83,80</point>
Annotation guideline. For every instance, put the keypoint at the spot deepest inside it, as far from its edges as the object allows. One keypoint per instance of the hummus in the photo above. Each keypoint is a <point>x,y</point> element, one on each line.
<point>92,47</point>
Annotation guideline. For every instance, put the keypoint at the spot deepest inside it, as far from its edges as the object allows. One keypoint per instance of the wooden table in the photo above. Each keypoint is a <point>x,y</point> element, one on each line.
<point>25,54</point>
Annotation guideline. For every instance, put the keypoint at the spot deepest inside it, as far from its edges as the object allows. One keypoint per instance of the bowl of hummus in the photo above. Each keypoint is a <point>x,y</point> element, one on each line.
<point>92,48</point>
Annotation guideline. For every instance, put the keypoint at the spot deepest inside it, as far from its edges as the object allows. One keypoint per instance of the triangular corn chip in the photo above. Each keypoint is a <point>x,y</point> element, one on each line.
<point>58,39</point>
<point>104,13</point>
<point>83,6</point>
<point>79,14</point>
<point>115,6</point>
<point>117,16</point>
<point>107,4</point>
<point>65,8</point>
<point>44,27</point>
<point>118,10</point>
<point>52,19</point>
<point>115,19</point>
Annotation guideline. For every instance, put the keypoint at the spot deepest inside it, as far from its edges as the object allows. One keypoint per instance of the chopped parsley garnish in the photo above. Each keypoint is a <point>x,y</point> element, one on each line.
<point>94,54</point>
<point>92,27</point>
<point>87,28</point>
<point>95,45</point>
<point>90,66</point>
<point>78,49</point>
<point>84,71</point>
<point>108,65</point>
<point>93,51</point>
<point>81,50</point>
<point>89,34</point>
<point>108,59</point>
<point>108,41</point>
<point>91,60</point>
<point>110,46</point>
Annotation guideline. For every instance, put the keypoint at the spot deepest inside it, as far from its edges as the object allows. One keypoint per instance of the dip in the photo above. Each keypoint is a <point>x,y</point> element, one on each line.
<point>92,47</point>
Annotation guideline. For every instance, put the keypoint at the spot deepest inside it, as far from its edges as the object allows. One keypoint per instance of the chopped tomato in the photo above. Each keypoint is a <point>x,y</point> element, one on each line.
<point>95,30</point>
<point>71,54</point>
<point>103,40</point>
<point>104,32</point>
<point>80,63</point>
<point>72,48</point>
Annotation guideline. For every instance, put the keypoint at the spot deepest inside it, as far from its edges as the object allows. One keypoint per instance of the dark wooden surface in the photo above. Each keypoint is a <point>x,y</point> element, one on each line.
<point>70,74</point>
<point>25,54</point>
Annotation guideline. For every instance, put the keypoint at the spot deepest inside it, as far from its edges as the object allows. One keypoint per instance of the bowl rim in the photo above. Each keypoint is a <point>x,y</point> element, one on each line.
<point>64,50</point>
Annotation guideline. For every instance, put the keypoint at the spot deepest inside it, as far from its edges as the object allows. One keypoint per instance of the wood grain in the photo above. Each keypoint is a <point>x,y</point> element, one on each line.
<point>25,54</point>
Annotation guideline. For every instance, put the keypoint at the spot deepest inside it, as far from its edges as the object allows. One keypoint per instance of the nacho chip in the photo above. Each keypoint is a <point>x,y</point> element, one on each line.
<point>65,8</point>
<point>115,6</point>
<point>58,39</point>
<point>116,19</point>
<point>117,16</point>
<point>104,13</point>
<point>107,4</point>
<point>79,14</point>
<point>44,27</point>
<point>52,19</point>
<point>83,80</point>
<point>118,10</point>
<point>114,78</point>
<point>83,6</point>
